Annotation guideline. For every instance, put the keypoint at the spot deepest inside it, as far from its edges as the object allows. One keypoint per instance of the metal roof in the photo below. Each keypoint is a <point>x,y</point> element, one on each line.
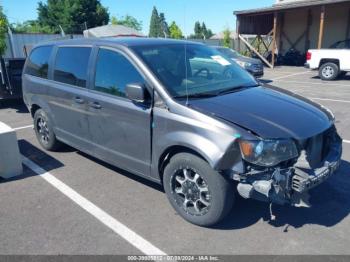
<point>111,30</point>
<point>287,6</point>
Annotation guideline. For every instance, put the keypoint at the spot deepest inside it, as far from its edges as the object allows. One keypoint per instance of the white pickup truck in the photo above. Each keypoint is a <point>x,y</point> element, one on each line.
<point>331,63</point>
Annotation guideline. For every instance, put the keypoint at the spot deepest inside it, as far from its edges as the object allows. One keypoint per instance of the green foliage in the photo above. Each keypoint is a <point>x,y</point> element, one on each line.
<point>3,31</point>
<point>72,15</point>
<point>164,25</point>
<point>158,26</point>
<point>197,30</point>
<point>31,26</point>
<point>128,21</point>
<point>227,38</point>
<point>201,31</point>
<point>155,29</point>
<point>175,31</point>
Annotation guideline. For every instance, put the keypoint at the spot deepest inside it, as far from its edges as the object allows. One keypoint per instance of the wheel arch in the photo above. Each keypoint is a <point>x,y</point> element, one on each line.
<point>170,151</point>
<point>329,60</point>
<point>33,109</point>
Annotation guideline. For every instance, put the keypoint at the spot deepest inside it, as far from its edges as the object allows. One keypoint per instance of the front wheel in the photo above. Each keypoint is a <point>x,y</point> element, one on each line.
<point>198,193</point>
<point>329,71</point>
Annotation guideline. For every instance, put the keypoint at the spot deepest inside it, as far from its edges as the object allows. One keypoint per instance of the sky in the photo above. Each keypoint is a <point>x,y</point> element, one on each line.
<point>217,14</point>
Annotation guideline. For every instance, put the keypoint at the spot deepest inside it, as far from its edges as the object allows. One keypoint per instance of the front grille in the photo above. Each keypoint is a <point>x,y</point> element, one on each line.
<point>317,147</point>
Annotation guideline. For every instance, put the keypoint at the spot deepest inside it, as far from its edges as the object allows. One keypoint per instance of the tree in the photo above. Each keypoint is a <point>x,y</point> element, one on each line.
<point>197,30</point>
<point>164,25</point>
<point>128,21</point>
<point>175,31</point>
<point>227,38</point>
<point>201,31</point>
<point>204,30</point>
<point>30,26</point>
<point>72,15</point>
<point>3,31</point>
<point>155,29</point>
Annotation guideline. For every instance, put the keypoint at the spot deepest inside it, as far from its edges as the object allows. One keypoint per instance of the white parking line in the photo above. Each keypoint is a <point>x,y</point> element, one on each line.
<point>130,236</point>
<point>23,127</point>
<point>346,141</point>
<point>328,99</point>
<point>286,76</point>
<point>310,83</point>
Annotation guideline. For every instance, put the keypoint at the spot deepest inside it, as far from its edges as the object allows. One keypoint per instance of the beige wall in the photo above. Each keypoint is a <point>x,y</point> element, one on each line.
<point>295,24</point>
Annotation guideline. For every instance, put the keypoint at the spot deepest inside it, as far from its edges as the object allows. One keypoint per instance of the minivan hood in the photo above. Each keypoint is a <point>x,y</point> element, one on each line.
<point>268,112</point>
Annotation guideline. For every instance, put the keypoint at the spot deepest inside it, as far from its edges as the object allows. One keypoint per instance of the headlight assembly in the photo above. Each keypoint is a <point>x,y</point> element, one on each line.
<point>268,152</point>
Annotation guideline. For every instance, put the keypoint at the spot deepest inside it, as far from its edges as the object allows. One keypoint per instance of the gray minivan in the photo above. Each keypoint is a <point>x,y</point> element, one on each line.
<point>183,115</point>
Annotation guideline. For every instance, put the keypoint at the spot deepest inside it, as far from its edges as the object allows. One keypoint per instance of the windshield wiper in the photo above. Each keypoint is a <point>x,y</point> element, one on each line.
<point>234,89</point>
<point>199,95</point>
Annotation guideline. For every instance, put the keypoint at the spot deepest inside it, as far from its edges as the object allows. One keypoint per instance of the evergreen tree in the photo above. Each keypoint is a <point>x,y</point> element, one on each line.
<point>197,30</point>
<point>204,31</point>
<point>164,26</point>
<point>72,15</point>
<point>155,29</point>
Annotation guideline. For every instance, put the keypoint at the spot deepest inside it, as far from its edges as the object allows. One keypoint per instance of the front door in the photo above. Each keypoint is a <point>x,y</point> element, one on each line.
<point>119,129</point>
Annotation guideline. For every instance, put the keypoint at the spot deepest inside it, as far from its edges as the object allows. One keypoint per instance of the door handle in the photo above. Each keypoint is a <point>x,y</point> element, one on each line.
<point>78,100</point>
<point>95,105</point>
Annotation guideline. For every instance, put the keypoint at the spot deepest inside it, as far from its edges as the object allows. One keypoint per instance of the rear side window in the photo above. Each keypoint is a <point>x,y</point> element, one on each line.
<point>71,65</point>
<point>114,72</point>
<point>38,62</point>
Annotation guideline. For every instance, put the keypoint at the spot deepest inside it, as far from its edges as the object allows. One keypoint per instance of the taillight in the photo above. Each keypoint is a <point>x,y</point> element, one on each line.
<point>308,56</point>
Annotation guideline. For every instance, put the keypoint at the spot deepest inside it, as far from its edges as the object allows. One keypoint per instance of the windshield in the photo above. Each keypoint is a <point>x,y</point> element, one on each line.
<point>200,70</point>
<point>341,45</point>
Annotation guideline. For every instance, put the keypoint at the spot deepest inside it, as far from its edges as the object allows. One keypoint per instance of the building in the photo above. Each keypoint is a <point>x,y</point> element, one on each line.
<point>297,24</point>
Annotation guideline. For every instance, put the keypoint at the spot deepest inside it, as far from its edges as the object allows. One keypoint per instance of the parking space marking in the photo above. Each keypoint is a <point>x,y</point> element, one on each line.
<point>346,141</point>
<point>286,76</point>
<point>23,127</point>
<point>309,83</point>
<point>127,234</point>
<point>328,99</point>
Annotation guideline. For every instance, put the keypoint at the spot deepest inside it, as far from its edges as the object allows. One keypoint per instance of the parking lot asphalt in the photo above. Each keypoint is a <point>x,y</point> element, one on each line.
<point>37,217</point>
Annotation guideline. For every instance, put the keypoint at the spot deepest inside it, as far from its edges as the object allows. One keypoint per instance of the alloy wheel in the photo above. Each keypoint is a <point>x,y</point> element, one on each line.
<point>43,130</point>
<point>191,191</point>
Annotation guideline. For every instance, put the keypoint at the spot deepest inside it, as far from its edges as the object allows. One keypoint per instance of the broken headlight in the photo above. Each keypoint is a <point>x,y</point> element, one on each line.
<point>268,152</point>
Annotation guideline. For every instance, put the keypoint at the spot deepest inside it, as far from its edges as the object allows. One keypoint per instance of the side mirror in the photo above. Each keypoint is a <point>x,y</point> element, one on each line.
<point>136,92</point>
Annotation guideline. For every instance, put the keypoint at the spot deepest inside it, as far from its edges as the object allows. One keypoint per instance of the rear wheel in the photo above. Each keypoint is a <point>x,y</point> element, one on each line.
<point>329,71</point>
<point>44,131</point>
<point>198,193</point>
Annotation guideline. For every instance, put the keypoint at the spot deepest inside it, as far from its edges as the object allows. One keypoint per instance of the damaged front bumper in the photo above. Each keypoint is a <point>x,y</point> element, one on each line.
<point>290,185</point>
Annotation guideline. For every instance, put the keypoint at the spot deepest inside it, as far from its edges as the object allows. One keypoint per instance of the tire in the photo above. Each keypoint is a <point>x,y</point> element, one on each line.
<point>209,195</point>
<point>44,131</point>
<point>329,71</point>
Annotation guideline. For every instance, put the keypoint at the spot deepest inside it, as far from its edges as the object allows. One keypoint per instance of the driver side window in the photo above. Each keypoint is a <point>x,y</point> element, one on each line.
<point>113,72</point>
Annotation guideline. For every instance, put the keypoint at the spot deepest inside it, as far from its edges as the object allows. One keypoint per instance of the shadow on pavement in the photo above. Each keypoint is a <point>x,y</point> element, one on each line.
<point>330,201</point>
<point>346,77</point>
<point>127,174</point>
<point>14,104</point>
<point>36,155</point>
<point>330,205</point>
